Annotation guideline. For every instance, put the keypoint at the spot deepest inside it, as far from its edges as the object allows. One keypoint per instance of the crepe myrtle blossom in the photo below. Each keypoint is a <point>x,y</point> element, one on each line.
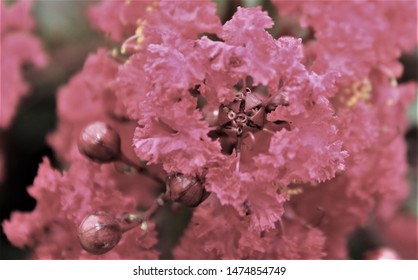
<point>19,46</point>
<point>281,149</point>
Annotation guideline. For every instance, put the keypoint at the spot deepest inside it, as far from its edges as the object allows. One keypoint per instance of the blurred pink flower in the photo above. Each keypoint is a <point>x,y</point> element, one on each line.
<point>63,200</point>
<point>18,46</point>
<point>351,41</point>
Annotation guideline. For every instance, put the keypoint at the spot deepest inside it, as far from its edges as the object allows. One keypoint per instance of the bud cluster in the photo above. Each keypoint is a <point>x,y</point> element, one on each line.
<point>99,232</point>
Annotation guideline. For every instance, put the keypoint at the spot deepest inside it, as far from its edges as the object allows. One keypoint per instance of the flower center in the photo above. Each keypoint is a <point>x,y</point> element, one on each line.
<point>244,114</point>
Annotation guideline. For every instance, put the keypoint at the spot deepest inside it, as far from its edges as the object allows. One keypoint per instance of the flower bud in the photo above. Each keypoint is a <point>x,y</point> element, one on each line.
<point>99,142</point>
<point>99,232</point>
<point>186,189</point>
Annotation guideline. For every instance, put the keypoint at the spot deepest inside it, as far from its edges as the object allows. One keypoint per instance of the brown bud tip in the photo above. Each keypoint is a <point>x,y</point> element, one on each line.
<point>99,142</point>
<point>383,253</point>
<point>99,232</point>
<point>186,189</point>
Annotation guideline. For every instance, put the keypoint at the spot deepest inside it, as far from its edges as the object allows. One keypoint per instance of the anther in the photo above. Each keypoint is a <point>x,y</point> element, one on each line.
<point>241,118</point>
<point>231,115</point>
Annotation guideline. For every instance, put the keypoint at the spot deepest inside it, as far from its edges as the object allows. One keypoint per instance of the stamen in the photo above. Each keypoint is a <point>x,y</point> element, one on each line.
<point>238,154</point>
<point>129,221</point>
<point>251,135</point>
<point>132,45</point>
<point>237,166</point>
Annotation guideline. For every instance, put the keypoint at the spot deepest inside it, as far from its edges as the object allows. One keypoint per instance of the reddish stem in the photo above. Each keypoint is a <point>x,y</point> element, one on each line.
<point>130,221</point>
<point>141,169</point>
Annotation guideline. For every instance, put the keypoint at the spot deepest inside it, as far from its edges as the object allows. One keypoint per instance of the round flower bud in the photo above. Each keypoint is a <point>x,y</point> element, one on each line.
<point>185,189</point>
<point>99,142</point>
<point>99,232</point>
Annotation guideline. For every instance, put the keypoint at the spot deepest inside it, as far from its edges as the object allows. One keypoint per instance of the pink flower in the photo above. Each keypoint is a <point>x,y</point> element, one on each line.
<point>19,46</point>
<point>176,136</point>
<point>225,236</point>
<point>184,147</point>
<point>248,193</point>
<point>247,29</point>
<point>118,18</point>
<point>151,20</point>
<point>298,144</point>
<point>63,200</point>
<point>186,19</point>
<point>10,21</point>
<point>88,97</point>
<point>350,41</point>
<point>310,152</point>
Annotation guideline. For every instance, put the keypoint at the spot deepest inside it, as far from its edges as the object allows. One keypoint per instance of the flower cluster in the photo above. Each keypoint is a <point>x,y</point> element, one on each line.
<point>282,148</point>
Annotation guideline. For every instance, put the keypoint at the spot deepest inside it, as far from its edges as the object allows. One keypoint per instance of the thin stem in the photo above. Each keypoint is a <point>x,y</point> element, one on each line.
<point>141,169</point>
<point>161,199</point>
<point>251,135</point>
<point>128,41</point>
<point>237,166</point>
<point>130,221</point>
